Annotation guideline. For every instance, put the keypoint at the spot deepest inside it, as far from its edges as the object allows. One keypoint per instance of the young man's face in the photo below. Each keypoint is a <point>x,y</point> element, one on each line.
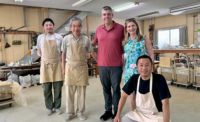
<point>48,27</point>
<point>76,27</point>
<point>106,16</point>
<point>144,67</point>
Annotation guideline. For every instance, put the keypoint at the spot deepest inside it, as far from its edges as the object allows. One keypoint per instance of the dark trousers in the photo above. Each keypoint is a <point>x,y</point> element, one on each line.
<point>52,97</point>
<point>111,78</point>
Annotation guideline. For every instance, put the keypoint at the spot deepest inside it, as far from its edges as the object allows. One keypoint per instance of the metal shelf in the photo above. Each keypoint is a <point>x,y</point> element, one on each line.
<point>196,26</point>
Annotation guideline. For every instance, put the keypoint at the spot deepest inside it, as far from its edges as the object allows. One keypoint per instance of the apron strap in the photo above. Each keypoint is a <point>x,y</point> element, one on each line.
<point>150,86</point>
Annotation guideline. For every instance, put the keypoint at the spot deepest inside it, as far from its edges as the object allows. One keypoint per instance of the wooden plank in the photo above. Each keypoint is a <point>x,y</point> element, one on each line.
<point>7,102</point>
<point>17,32</point>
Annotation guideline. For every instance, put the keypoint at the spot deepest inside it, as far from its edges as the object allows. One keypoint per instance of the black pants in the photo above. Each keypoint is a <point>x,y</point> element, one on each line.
<point>52,100</point>
<point>111,77</point>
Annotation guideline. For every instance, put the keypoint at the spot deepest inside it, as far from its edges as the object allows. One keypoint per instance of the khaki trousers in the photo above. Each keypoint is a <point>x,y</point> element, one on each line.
<point>75,99</point>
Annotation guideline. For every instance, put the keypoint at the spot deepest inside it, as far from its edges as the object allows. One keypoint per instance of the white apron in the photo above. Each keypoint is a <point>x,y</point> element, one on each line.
<point>50,69</point>
<point>146,110</point>
<point>76,69</point>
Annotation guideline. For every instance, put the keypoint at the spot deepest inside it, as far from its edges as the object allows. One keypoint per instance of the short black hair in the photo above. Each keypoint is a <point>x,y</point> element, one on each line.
<point>47,20</point>
<point>107,8</point>
<point>144,57</point>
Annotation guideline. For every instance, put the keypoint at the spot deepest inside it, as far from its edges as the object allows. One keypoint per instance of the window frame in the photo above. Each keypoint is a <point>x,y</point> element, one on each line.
<point>181,42</point>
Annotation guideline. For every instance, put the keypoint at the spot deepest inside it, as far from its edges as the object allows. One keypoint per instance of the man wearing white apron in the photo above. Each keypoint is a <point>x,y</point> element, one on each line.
<point>49,48</point>
<point>75,50</point>
<point>152,95</point>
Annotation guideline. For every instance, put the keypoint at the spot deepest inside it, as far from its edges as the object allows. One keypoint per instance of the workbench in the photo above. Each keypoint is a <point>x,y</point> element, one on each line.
<point>177,51</point>
<point>22,70</point>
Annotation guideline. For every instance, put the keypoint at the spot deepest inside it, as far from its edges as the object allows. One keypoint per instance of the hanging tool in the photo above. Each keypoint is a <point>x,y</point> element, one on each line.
<point>7,45</point>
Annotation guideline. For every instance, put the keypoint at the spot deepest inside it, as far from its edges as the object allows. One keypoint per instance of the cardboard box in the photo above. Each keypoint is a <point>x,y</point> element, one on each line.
<point>165,62</point>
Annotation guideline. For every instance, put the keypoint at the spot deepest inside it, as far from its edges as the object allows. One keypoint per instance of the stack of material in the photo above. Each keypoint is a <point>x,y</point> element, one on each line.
<point>166,68</point>
<point>6,95</point>
<point>184,76</point>
<point>11,91</point>
<point>197,74</point>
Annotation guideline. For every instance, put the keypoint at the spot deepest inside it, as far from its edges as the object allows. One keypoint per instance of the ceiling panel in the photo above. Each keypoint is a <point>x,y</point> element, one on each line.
<point>95,6</point>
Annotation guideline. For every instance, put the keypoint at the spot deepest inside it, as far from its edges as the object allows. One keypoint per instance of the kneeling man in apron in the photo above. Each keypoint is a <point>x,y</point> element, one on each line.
<point>49,48</point>
<point>75,50</point>
<point>152,95</point>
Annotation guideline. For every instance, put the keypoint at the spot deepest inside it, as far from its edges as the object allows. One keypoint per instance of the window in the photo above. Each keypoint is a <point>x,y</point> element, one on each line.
<point>168,37</point>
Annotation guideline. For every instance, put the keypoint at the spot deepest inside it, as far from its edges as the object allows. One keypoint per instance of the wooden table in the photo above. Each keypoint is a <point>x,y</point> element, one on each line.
<point>175,51</point>
<point>22,70</point>
<point>31,66</point>
<point>185,51</point>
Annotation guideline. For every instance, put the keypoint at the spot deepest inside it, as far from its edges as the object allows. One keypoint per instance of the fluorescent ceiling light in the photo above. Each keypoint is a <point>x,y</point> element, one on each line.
<point>125,6</point>
<point>148,14</point>
<point>186,8</point>
<point>18,0</point>
<point>177,13</point>
<point>81,2</point>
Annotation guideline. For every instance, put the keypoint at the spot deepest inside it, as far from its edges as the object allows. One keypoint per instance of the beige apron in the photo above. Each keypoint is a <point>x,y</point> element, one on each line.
<point>50,69</point>
<point>76,69</point>
<point>146,110</point>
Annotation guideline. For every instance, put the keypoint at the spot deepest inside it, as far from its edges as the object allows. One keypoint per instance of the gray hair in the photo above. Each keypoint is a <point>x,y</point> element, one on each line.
<point>75,19</point>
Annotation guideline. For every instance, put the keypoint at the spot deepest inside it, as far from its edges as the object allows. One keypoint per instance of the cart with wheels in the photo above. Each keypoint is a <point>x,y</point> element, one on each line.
<point>196,82</point>
<point>183,71</point>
